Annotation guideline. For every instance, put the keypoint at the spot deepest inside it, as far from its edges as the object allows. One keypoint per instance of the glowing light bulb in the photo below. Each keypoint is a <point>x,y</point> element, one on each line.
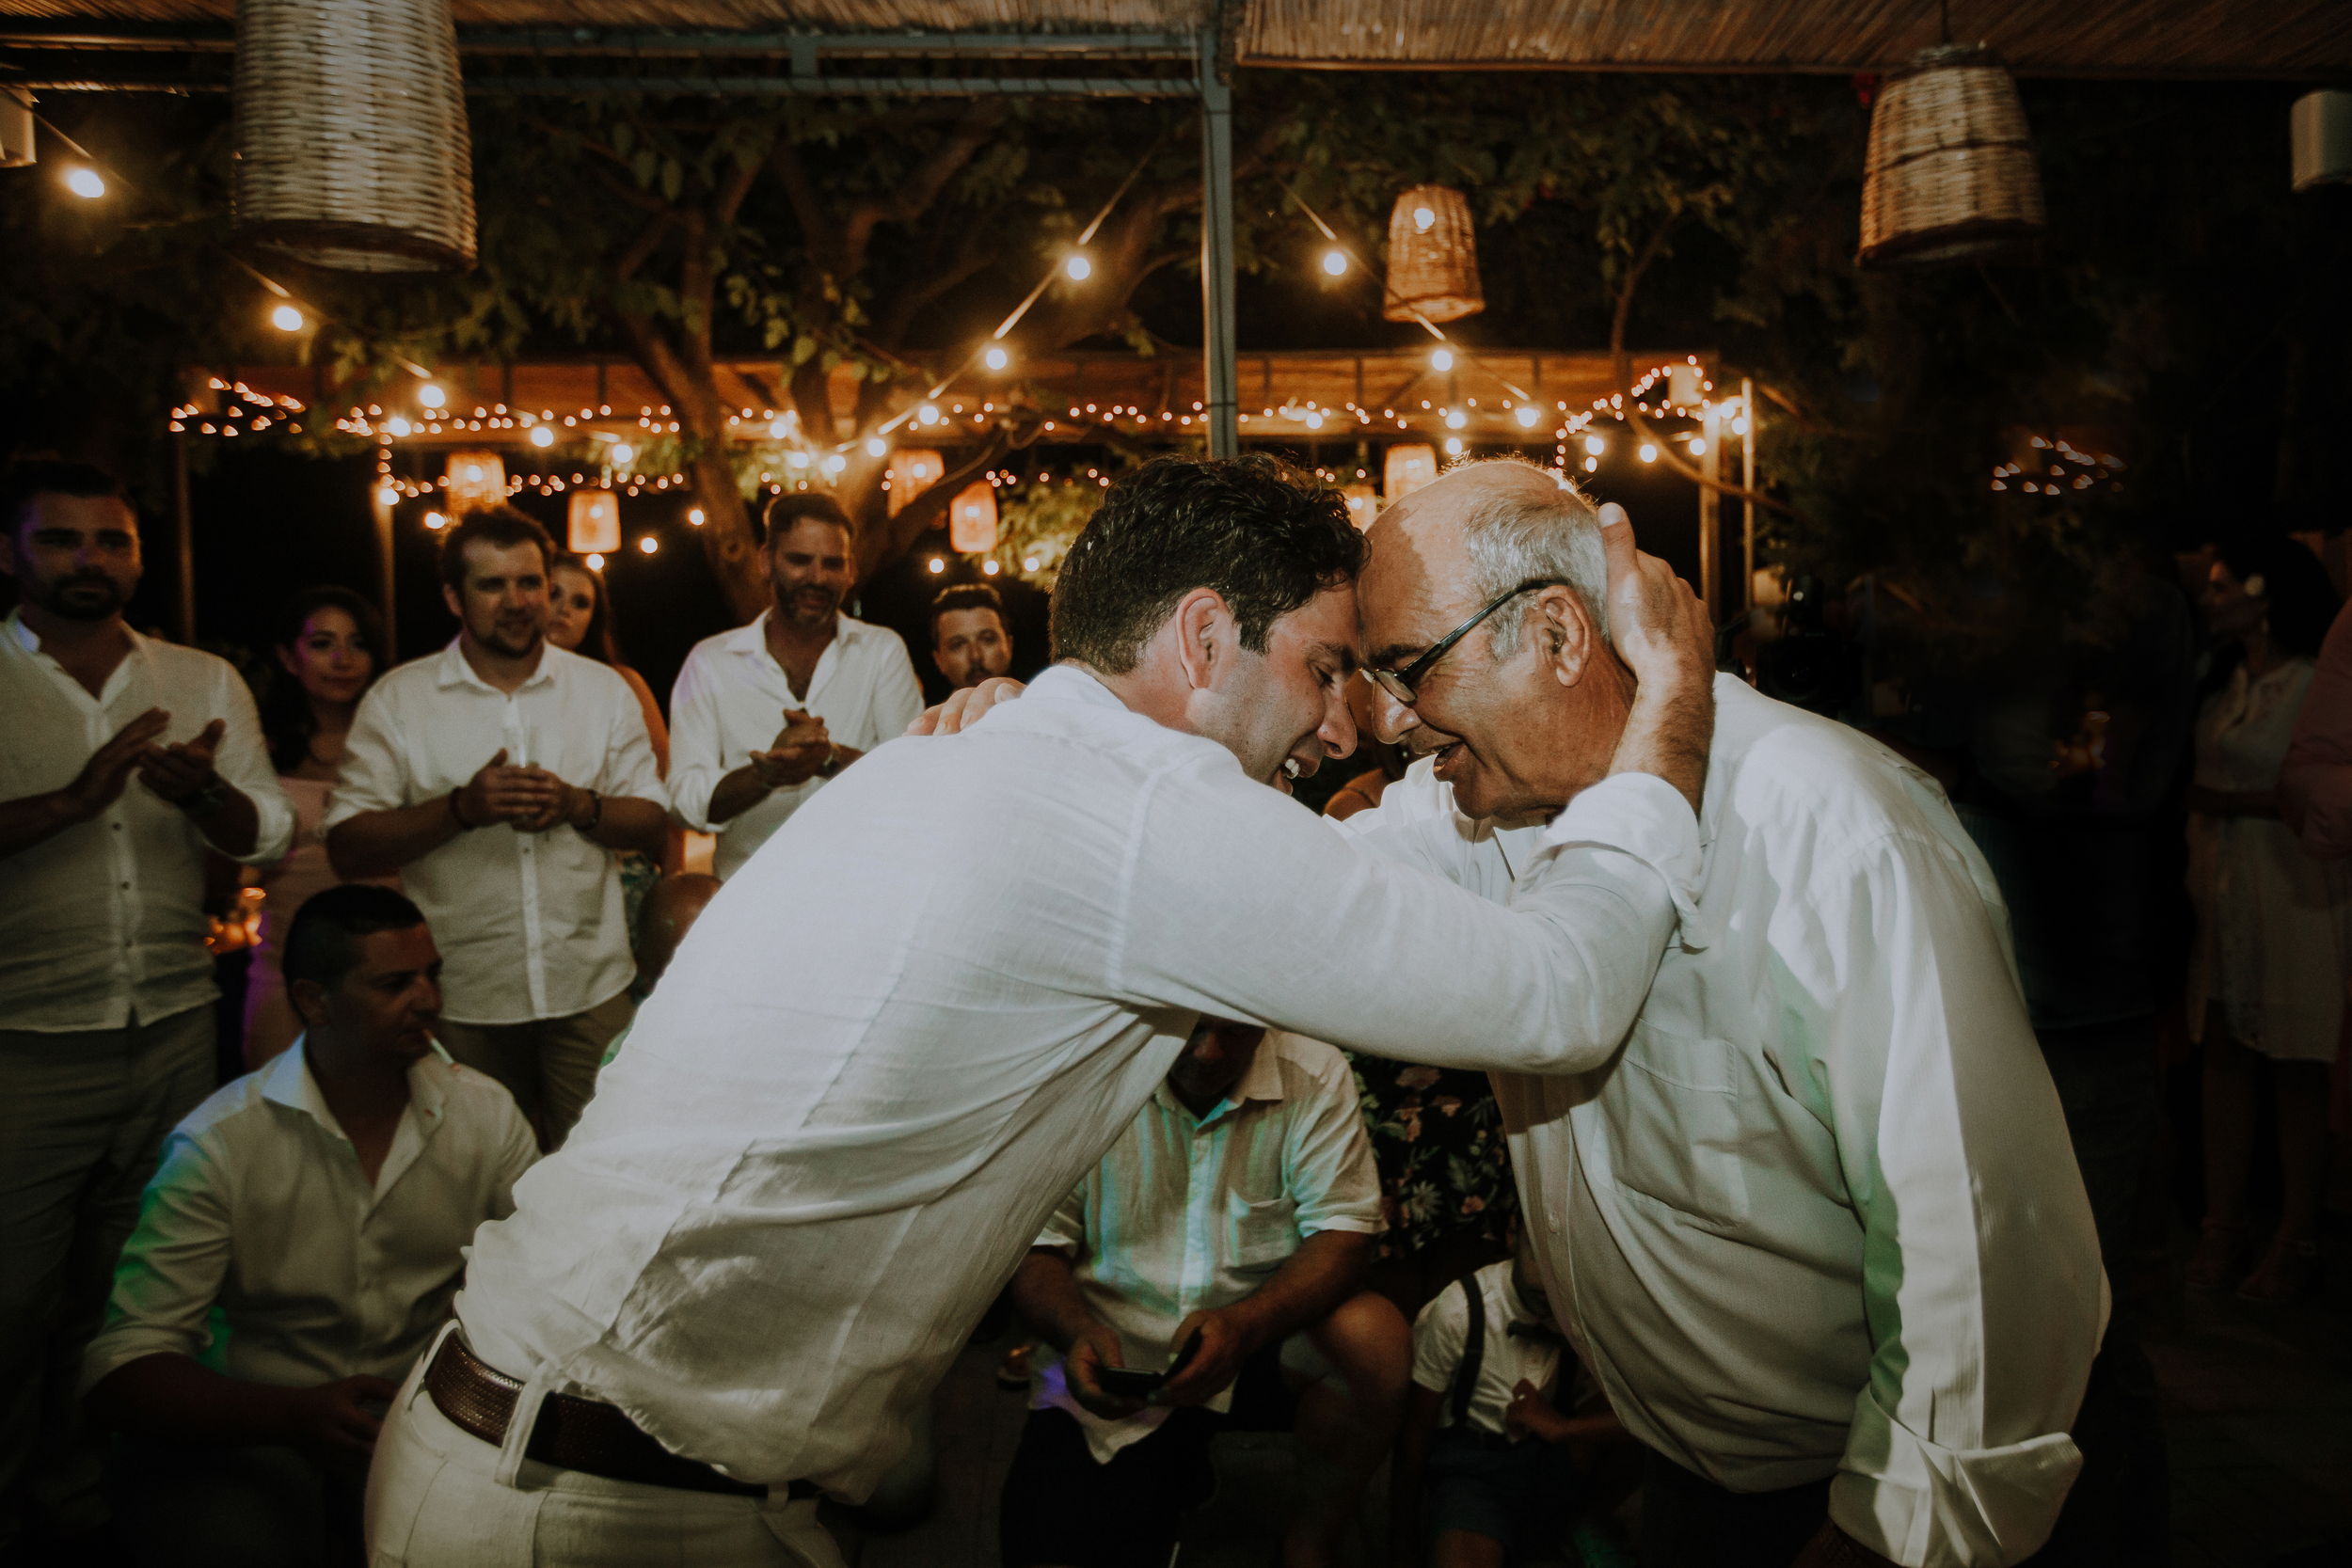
<point>1648,452</point>
<point>435,521</point>
<point>835,464</point>
<point>286,318</point>
<point>1078,266</point>
<point>996,358</point>
<point>473,473</point>
<point>595,562</point>
<point>623,451</point>
<point>937,565</point>
<point>1454,445</point>
<point>398,426</point>
<point>1594,446</point>
<point>988,568</point>
<point>1698,446</point>
<point>1456,418</point>
<point>1315,418</point>
<point>1739,426</point>
<point>1527,414</point>
<point>695,516</point>
<point>648,544</point>
<point>1442,359</point>
<point>778,430</point>
<point>876,446</point>
<point>1335,262</point>
<point>1424,219</point>
<point>541,436</point>
<point>1591,465</point>
<point>85,181</point>
<point>928,414</point>
<point>388,496</point>
<point>796,460</point>
<point>430,396</point>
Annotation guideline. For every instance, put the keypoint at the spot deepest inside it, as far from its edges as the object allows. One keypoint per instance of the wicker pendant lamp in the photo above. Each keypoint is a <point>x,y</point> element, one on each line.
<point>352,148</point>
<point>1433,258</point>
<point>1950,173</point>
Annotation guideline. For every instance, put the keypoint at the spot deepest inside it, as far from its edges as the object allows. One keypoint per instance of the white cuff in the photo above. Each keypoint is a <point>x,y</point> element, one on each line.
<point>1925,1506</point>
<point>1643,816</point>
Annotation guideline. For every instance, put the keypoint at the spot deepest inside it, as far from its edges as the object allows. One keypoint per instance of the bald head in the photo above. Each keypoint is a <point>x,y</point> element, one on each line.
<point>1477,533</point>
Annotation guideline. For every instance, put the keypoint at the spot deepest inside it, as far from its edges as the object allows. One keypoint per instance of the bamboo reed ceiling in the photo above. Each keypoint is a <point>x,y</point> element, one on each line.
<point>2126,38</point>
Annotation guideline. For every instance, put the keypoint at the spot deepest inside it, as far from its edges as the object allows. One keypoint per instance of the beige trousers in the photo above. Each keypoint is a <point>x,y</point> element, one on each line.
<point>548,1065</point>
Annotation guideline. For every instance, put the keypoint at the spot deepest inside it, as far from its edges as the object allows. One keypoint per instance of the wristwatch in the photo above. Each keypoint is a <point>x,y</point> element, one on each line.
<point>596,812</point>
<point>207,800</point>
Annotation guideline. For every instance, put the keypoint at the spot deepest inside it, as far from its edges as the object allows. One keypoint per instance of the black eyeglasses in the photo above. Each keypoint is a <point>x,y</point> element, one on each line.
<point>1400,683</point>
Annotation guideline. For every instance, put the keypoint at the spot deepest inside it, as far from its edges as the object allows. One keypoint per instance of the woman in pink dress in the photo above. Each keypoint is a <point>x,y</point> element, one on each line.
<point>329,647</point>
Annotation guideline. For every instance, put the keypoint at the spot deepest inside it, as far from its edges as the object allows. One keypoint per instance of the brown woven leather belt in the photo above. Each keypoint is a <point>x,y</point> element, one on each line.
<point>571,1433</point>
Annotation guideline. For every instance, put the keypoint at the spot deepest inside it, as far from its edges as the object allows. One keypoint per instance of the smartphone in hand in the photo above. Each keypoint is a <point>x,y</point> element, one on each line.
<point>1131,1385</point>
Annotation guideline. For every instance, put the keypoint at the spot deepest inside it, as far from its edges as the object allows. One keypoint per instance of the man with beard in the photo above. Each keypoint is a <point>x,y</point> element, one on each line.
<point>127,761</point>
<point>839,686</point>
<point>499,777</point>
<point>970,641</point>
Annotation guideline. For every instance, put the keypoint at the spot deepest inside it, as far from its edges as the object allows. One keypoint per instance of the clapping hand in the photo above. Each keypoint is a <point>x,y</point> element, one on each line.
<point>181,771</point>
<point>102,780</point>
<point>798,755</point>
<point>532,799</point>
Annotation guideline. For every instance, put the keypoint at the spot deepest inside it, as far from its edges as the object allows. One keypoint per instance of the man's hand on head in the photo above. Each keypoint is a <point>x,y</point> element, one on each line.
<point>962,709</point>
<point>1661,630</point>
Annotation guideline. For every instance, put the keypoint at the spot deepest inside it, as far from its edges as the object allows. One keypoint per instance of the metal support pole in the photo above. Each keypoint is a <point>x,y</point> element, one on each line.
<point>184,545</point>
<point>383,513</point>
<point>1711,517</point>
<point>1747,503</point>
<point>1217,253</point>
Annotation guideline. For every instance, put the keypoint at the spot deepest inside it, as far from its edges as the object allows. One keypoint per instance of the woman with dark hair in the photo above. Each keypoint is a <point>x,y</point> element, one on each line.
<point>579,621</point>
<point>2266,977</point>
<point>329,645</point>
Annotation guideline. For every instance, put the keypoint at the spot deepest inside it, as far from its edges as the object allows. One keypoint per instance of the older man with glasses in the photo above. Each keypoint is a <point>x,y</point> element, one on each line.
<point>1816,1227</point>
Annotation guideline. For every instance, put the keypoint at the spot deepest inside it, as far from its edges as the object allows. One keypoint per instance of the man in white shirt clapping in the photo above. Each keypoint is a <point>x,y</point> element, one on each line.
<point>127,762</point>
<point>321,1205</point>
<point>498,777</point>
<point>1224,1237</point>
<point>764,715</point>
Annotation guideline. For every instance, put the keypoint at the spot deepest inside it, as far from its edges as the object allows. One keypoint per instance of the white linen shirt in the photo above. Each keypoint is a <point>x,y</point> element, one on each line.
<point>903,1031</point>
<point>1821,1215</point>
<point>260,1208</point>
<point>1441,1334</point>
<point>1188,1213</point>
<point>730,700</point>
<point>102,924</point>
<point>530,926</point>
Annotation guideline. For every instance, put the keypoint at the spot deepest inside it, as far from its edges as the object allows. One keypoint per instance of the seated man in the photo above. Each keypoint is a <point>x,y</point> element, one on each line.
<point>1228,1229</point>
<point>1481,1473</point>
<point>322,1206</point>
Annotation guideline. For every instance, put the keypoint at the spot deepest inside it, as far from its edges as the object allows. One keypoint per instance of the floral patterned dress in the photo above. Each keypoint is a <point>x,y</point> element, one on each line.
<point>1445,1170</point>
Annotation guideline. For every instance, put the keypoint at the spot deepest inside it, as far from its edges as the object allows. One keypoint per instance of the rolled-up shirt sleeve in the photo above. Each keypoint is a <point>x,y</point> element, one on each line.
<point>1982,1286</point>
<point>171,1269</point>
<point>2315,784</point>
<point>242,762</point>
<point>897,695</point>
<point>1240,905</point>
<point>696,765</point>
<point>1327,1170</point>
<point>630,771</point>
<point>1066,1232</point>
<point>373,776</point>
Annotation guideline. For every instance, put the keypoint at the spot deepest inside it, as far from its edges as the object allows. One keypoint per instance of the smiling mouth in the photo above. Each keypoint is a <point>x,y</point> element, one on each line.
<point>1447,755</point>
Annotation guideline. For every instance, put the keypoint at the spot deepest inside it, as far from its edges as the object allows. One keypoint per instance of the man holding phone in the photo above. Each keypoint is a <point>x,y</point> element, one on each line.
<point>1209,1273</point>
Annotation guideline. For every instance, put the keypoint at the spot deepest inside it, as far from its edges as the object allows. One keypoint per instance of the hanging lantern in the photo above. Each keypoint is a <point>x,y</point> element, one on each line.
<point>351,146</point>
<point>1949,175</point>
<point>1363,504</point>
<point>593,522</point>
<point>972,519</point>
<point>2320,127</point>
<point>1433,258</point>
<point>16,127</point>
<point>913,470</point>
<point>1410,465</point>
<point>474,480</point>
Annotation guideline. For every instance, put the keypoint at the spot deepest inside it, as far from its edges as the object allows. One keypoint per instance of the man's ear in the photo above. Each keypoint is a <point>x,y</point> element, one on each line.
<point>1564,633</point>
<point>8,553</point>
<point>1206,636</point>
<point>308,999</point>
<point>455,601</point>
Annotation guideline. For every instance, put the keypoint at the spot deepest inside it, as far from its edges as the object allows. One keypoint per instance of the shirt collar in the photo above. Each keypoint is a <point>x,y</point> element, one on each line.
<point>752,636</point>
<point>1263,1082</point>
<point>452,669</point>
<point>1067,683</point>
<point>288,1082</point>
<point>27,638</point>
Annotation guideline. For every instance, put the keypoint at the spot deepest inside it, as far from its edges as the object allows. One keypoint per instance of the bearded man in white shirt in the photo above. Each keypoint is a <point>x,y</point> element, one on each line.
<point>127,762</point>
<point>841,1121</point>
<point>1818,1229</point>
<point>500,777</point>
<point>763,716</point>
<point>321,1205</point>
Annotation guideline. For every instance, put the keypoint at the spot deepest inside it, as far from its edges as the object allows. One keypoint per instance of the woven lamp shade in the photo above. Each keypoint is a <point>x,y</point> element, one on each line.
<point>474,480</point>
<point>352,148</point>
<point>592,522</point>
<point>972,519</point>
<point>1950,173</point>
<point>1433,258</point>
<point>1409,465</point>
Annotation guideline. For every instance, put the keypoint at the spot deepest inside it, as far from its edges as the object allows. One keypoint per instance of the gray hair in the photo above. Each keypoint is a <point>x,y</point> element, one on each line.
<point>1513,539</point>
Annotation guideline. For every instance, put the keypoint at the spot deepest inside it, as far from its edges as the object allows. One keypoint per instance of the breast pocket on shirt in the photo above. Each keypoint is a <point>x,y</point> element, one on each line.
<point>1260,1235</point>
<point>1671,1107</point>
